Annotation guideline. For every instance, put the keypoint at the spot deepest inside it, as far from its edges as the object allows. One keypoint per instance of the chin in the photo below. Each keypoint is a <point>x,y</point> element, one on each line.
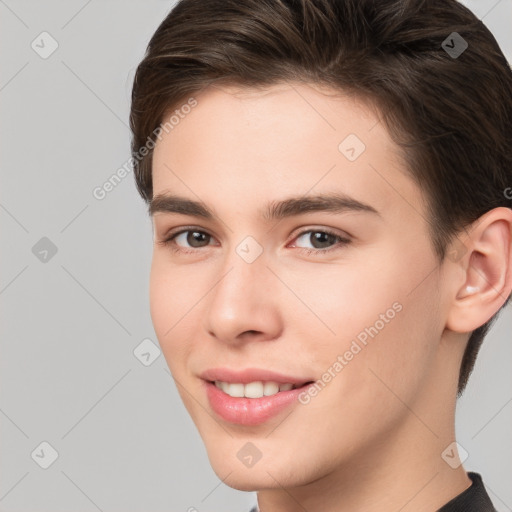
<point>249,479</point>
<point>266,473</point>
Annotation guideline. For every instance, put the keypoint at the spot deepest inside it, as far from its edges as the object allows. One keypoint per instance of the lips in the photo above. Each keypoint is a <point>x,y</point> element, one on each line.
<point>250,411</point>
<point>247,411</point>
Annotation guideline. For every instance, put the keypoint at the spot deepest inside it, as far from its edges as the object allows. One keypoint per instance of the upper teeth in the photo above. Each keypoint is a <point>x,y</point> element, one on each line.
<point>252,389</point>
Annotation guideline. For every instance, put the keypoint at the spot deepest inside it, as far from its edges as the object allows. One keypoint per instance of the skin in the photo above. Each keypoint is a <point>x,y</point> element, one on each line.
<point>372,439</point>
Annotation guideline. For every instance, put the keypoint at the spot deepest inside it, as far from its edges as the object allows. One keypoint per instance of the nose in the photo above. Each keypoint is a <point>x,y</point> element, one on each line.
<point>244,302</point>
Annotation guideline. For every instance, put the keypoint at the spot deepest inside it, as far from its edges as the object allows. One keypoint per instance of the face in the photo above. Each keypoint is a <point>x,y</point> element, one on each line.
<point>341,292</point>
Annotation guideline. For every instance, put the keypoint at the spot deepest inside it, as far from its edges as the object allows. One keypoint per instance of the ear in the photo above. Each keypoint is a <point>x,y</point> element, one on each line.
<point>484,279</point>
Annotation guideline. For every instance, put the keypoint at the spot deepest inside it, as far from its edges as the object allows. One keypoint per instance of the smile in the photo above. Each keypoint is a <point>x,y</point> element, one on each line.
<point>256,389</point>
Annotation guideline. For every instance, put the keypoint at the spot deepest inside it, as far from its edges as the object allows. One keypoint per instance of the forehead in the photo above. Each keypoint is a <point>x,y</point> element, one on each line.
<point>248,145</point>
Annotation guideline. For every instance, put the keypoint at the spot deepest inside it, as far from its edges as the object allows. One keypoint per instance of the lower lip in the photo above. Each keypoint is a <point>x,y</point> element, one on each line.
<point>250,411</point>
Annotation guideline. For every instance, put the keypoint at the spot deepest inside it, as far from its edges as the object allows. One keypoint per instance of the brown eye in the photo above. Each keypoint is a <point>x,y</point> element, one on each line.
<point>194,238</point>
<point>187,240</point>
<point>321,240</point>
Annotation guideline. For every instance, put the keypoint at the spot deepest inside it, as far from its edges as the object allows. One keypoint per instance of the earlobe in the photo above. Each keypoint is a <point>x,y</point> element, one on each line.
<point>487,265</point>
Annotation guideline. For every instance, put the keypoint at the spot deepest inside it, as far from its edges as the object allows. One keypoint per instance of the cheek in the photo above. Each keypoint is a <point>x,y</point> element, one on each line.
<point>160,299</point>
<point>381,317</point>
<point>384,335</point>
<point>170,300</point>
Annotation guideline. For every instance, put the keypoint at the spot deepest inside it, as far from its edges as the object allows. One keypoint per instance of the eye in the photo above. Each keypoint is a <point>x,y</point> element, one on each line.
<point>320,238</point>
<point>194,237</point>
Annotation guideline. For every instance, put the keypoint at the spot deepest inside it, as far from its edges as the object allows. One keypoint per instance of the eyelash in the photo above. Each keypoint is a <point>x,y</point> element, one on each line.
<point>170,241</point>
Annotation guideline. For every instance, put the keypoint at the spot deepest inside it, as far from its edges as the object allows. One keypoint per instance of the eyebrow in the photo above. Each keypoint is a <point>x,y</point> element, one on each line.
<point>273,210</point>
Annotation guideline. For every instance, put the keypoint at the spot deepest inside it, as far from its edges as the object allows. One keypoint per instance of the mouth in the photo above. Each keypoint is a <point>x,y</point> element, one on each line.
<point>247,404</point>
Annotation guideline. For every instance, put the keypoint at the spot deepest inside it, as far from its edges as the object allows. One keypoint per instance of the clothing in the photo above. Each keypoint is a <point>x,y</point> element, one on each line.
<point>473,499</point>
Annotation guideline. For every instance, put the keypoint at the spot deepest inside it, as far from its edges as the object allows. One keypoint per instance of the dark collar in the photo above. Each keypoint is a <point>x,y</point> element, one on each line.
<point>473,499</point>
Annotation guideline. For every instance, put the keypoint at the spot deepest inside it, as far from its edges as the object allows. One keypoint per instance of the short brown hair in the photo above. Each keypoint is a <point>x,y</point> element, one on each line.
<point>450,114</point>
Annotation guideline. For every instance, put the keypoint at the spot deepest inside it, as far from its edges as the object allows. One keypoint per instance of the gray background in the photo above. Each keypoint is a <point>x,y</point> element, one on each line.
<point>70,323</point>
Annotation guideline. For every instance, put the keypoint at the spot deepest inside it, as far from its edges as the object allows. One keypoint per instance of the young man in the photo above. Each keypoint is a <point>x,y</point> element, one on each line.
<point>329,183</point>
